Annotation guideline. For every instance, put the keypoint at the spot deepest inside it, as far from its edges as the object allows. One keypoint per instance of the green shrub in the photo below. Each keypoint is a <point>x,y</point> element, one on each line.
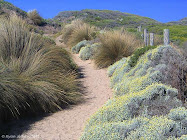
<point>138,53</point>
<point>89,51</point>
<point>113,131</point>
<point>34,78</point>
<point>48,41</point>
<point>148,68</point>
<point>35,29</point>
<point>76,48</point>
<point>178,114</point>
<point>35,17</point>
<point>158,128</point>
<point>114,46</point>
<point>115,120</point>
<point>115,66</point>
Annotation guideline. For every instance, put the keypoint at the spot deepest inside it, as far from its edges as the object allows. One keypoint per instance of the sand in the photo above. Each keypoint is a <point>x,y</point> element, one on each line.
<point>68,124</point>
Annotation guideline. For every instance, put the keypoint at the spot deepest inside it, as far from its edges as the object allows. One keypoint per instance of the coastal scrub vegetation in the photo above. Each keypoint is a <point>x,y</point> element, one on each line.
<point>35,75</point>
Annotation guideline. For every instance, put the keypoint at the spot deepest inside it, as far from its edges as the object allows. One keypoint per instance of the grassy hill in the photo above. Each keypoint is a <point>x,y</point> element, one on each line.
<point>178,33</point>
<point>183,21</point>
<point>48,26</point>
<point>106,18</point>
<point>117,19</point>
<point>6,8</point>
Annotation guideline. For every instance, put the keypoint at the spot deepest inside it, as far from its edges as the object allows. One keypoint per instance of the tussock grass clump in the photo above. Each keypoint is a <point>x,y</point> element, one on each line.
<point>33,77</point>
<point>35,17</point>
<point>83,32</point>
<point>68,30</point>
<point>78,31</point>
<point>114,46</point>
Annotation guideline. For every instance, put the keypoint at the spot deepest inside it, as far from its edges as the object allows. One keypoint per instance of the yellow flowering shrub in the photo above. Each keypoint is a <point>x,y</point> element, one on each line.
<point>156,129</point>
<point>145,104</point>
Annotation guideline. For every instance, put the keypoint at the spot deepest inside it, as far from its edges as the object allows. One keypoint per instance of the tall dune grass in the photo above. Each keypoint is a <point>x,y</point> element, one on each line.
<point>114,46</point>
<point>35,17</point>
<point>33,77</point>
<point>83,32</point>
<point>69,28</point>
<point>78,31</point>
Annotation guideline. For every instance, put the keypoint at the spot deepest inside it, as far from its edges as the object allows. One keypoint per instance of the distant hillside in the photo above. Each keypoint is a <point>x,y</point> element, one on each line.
<point>117,19</point>
<point>180,22</point>
<point>103,18</point>
<point>7,8</point>
<point>49,26</point>
<point>106,18</point>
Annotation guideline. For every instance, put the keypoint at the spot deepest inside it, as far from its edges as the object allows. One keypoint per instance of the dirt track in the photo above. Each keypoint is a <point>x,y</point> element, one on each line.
<point>69,123</point>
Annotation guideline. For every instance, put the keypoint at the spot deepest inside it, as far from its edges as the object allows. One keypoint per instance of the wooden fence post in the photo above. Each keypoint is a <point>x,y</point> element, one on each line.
<point>139,28</point>
<point>151,39</point>
<point>145,37</point>
<point>166,37</point>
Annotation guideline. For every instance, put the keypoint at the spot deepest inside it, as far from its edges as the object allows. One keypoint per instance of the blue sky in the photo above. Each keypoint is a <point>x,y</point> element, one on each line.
<point>161,10</point>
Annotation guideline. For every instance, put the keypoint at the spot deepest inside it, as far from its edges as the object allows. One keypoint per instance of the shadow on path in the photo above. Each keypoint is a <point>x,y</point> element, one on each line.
<point>15,128</point>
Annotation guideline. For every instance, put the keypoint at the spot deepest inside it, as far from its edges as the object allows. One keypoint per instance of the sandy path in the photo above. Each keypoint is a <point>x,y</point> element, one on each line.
<point>69,123</point>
